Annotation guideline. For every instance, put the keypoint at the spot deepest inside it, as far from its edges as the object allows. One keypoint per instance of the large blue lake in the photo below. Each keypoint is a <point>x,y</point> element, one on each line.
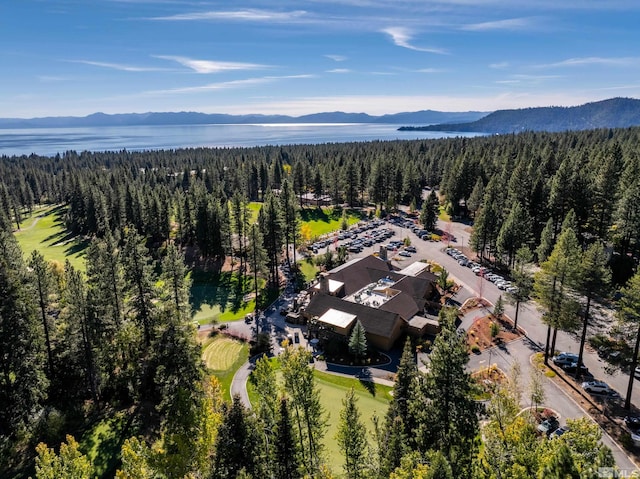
<point>49,141</point>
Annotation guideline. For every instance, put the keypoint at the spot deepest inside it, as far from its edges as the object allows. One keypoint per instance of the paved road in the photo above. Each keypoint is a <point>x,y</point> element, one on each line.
<point>529,317</point>
<point>520,351</point>
<point>529,320</point>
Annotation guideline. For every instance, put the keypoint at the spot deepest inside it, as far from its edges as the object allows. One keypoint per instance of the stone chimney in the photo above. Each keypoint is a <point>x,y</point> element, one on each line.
<point>324,283</point>
<point>383,253</point>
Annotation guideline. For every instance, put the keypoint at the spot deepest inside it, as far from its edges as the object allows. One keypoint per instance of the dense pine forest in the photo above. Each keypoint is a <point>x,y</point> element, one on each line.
<point>119,336</point>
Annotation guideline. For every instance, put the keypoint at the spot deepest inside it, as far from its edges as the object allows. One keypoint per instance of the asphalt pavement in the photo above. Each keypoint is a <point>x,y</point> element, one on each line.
<point>472,286</point>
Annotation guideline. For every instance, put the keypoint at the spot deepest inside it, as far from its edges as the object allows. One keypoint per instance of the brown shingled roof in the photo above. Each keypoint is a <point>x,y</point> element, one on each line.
<point>374,320</point>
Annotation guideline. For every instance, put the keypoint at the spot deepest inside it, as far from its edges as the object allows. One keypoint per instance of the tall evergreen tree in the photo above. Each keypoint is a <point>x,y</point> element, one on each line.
<point>305,401</point>
<point>358,341</point>
<point>514,233</point>
<point>238,444</point>
<point>287,456</point>
<point>270,222</point>
<point>79,328</point>
<point>429,213</point>
<point>44,287</point>
<point>522,281</point>
<point>23,382</point>
<point>593,279</point>
<point>177,284</point>
<point>139,279</point>
<point>403,388</point>
<point>352,437</point>
<point>545,247</point>
<point>553,282</point>
<point>263,377</point>
<point>628,315</point>
<point>447,412</point>
<point>475,200</point>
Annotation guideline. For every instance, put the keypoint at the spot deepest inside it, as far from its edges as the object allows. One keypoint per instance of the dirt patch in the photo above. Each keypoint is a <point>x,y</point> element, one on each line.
<point>488,331</point>
<point>488,380</point>
<point>474,303</point>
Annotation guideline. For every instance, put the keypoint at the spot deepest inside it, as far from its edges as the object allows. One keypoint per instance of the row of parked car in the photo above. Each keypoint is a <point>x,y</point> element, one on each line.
<point>376,236</point>
<point>353,234</point>
<point>569,363</point>
<point>483,271</point>
<point>551,428</point>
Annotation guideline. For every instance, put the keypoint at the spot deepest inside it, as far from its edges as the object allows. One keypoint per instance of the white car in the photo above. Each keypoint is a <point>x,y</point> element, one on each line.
<point>597,387</point>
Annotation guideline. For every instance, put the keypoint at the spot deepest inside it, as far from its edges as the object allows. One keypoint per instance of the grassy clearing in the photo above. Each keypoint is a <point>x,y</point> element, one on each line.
<point>443,215</point>
<point>103,441</point>
<point>45,232</point>
<point>324,220</point>
<point>224,356</point>
<point>372,399</point>
<point>220,297</point>
<point>308,270</point>
<point>255,207</point>
<point>221,353</point>
<point>333,389</point>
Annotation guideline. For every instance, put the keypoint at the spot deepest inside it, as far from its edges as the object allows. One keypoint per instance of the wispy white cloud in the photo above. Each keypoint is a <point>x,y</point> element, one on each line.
<point>430,70</point>
<point>250,15</point>
<point>527,79</point>
<point>402,37</point>
<point>604,61</point>
<point>209,66</point>
<point>499,65</point>
<point>119,66</point>
<point>51,78</point>
<point>339,70</point>
<point>336,58</point>
<point>507,24</point>
<point>226,85</point>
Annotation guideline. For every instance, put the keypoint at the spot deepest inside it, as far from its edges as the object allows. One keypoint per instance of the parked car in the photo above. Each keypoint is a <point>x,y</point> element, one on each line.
<point>405,253</point>
<point>559,432</point>
<point>565,359</point>
<point>548,425</point>
<point>571,369</point>
<point>632,422</point>
<point>411,249</point>
<point>597,387</point>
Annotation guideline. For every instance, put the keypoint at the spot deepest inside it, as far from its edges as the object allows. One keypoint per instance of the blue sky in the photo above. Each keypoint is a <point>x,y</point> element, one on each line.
<point>76,57</point>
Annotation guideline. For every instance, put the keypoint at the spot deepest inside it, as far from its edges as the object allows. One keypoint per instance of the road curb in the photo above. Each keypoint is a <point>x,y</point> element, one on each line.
<point>586,413</point>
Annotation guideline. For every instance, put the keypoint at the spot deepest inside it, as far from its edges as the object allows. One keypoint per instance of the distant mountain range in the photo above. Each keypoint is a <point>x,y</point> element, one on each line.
<point>612,113</point>
<point>194,118</point>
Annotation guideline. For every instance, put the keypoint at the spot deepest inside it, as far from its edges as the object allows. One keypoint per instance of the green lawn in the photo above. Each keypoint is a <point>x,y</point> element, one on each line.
<point>333,389</point>
<point>443,215</point>
<point>308,270</point>
<point>372,399</point>
<point>45,231</point>
<point>221,353</point>
<point>254,206</point>
<point>322,220</point>
<point>220,297</point>
<point>103,440</point>
<point>224,356</point>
